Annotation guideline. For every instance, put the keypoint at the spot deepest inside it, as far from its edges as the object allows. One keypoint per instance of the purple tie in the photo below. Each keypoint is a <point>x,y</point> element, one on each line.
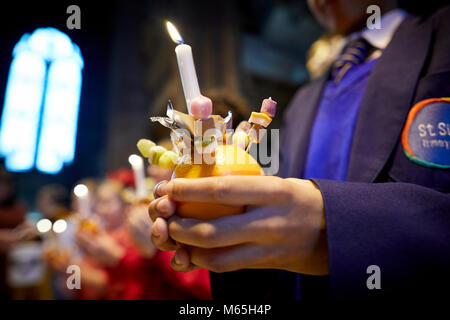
<point>354,53</point>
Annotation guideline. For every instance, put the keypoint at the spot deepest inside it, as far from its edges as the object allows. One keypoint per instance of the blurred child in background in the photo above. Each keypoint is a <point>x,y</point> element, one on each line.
<point>12,214</point>
<point>104,267</point>
<point>52,201</point>
<point>162,281</point>
<point>120,261</point>
<point>60,249</point>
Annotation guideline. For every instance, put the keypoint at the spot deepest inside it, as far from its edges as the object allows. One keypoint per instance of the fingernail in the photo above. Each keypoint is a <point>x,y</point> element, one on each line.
<point>157,189</point>
<point>167,188</point>
<point>176,259</point>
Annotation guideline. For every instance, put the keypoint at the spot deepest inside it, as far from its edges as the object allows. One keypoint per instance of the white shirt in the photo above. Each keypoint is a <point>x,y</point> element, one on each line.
<point>380,38</point>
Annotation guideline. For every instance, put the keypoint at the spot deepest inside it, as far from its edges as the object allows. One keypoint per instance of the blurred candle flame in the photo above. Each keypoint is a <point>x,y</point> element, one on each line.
<point>60,226</point>
<point>81,190</point>
<point>44,225</point>
<point>173,32</point>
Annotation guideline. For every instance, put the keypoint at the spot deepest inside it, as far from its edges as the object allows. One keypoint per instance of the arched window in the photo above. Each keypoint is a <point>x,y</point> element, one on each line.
<point>40,112</point>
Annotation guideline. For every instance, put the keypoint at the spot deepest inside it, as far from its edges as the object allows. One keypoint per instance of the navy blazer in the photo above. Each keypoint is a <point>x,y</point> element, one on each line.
<point>392,212</point>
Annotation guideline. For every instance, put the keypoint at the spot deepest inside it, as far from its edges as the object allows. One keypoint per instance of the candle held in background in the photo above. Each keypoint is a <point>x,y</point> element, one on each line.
<point>81,191</point>
<point>137,164</point>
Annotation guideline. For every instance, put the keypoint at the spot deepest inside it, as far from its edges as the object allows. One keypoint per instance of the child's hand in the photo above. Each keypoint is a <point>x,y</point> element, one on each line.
<point>283,228</point>
<point>100,247</point>
<point>139,226</point>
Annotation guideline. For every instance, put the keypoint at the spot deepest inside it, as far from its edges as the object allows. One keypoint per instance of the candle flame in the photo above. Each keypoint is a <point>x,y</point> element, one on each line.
<point>173,32</point>
<point>81,190</point>
<point>60,226</point>
<point>44,225</point>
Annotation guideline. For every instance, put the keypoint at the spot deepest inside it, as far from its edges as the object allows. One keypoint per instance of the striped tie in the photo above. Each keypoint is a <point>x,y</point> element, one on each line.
<point>354,53</point>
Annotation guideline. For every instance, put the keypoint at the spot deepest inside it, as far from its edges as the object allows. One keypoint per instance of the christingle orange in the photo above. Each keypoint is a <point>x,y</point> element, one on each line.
<point>203,148</point>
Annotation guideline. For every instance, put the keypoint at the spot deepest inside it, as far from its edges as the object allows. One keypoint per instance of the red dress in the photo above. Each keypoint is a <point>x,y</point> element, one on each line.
<point>136,277</point>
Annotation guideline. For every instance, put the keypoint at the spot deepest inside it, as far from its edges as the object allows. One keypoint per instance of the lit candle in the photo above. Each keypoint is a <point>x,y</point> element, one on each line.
<point>139,175</point>
<point>59,226</point>
<point>43,226</point>
<point>188,75</point>
<point>81,191</point>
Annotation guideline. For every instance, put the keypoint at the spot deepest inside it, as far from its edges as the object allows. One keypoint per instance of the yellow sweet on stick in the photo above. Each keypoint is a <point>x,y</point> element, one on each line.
<point>240,139</point>
<point>155,153</point>
<point>144,146</point>
<point>260,118</point>
<point>168,160</point>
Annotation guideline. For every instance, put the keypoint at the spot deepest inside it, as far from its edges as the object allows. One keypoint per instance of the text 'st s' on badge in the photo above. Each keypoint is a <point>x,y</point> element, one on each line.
<point>426,135</point>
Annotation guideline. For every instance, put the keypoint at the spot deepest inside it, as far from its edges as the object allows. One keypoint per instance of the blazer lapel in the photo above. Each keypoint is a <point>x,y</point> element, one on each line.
<point>387,100</point>
<point>298,125</point>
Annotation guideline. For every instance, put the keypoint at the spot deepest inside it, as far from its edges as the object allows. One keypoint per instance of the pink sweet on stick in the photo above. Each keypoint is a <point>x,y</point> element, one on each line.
<point>201,107</point>
<point>269,106</point>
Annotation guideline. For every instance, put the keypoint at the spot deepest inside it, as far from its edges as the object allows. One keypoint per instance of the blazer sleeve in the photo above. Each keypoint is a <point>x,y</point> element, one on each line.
<point>402,228</point>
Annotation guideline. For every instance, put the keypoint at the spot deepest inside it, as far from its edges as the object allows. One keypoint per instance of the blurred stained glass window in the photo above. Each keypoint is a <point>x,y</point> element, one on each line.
<point>40,113</point>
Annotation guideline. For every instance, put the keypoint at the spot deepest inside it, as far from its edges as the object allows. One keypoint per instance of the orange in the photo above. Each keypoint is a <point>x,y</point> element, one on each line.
<point>229,160</point>
<point>89,225</point>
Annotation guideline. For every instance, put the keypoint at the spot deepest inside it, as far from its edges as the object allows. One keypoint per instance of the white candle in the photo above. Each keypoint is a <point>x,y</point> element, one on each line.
<point>139,175</point>
<point>186,66</point>
<point>81,191</point>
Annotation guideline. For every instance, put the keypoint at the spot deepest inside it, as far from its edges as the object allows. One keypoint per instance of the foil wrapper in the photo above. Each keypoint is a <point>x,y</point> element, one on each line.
<point>201,135</point>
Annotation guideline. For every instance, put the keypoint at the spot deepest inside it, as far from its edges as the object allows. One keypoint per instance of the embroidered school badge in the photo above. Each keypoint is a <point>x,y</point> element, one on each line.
<point>426,135</point>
